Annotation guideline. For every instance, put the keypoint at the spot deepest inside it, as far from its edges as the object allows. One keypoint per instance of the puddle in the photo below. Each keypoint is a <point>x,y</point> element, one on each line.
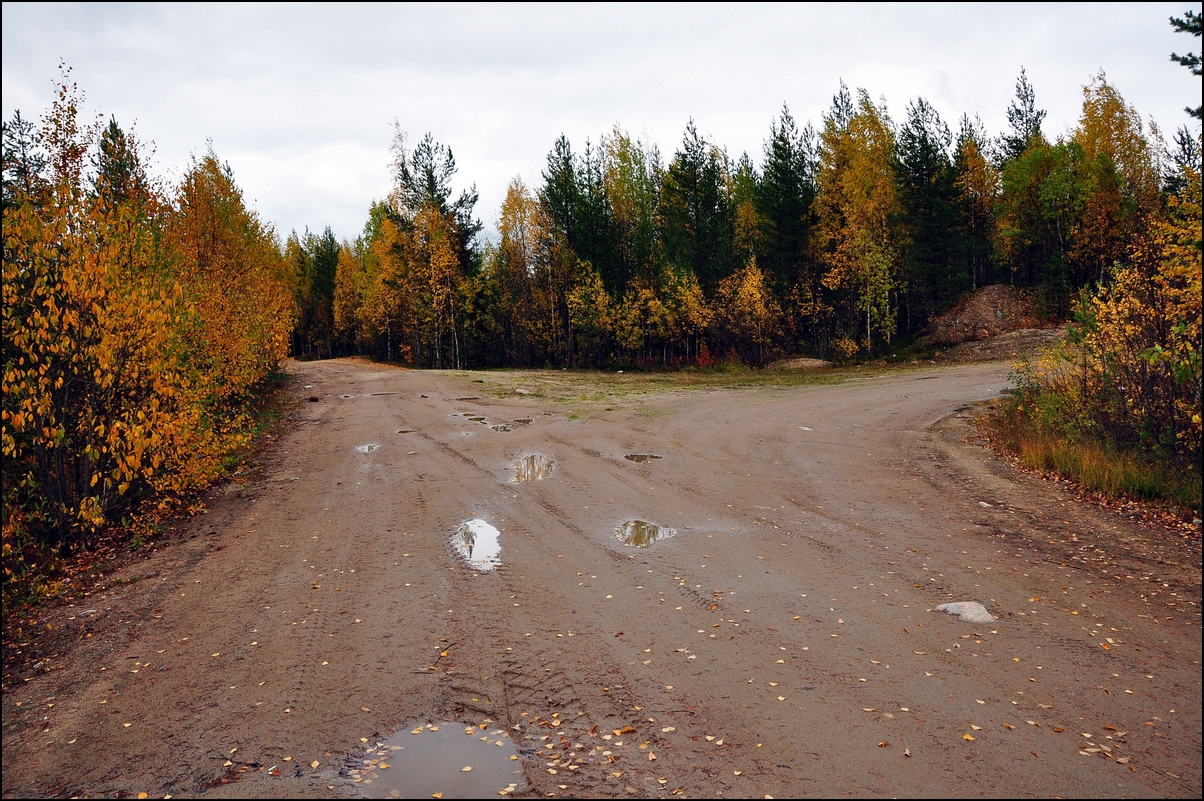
<point>374,394</point>
<point>642,457</point>
<point>641,533</point>
<point>476,418</point>
<point>433,762</point>
<point>406,430</point>
<point>371,446</point>
<point>523,421</point>
<point>532,468</point>
<point>346,397</point>
<point>477,543</point>
<point>468,398</point>
<point>502,428</point>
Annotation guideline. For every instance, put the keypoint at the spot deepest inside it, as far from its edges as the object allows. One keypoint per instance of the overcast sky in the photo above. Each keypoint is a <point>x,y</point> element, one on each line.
<point>300,100</point>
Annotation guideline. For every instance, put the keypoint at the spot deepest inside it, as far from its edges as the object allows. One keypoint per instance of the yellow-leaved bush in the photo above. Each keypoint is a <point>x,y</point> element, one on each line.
<point>138,323</point>
<point>1130,372</point>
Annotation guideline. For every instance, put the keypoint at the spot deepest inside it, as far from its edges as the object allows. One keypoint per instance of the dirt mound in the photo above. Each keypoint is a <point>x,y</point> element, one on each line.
<point>987,312</point>
<point>1025,343</point>
<point>801,363</point>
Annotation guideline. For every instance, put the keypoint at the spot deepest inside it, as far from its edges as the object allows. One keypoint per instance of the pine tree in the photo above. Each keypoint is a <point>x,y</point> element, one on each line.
<point>1025,120</point>
<point>783,201</point>
<point>1191,24</point>
<point>932,273</point>
<point>696,211</point>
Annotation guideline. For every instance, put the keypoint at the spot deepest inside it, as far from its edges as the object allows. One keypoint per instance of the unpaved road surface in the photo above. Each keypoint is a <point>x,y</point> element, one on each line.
<point>788,618</point>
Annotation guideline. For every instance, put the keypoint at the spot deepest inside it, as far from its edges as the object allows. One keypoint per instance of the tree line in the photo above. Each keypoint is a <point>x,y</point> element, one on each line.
<point>844,240</point>
<point>140,321</point>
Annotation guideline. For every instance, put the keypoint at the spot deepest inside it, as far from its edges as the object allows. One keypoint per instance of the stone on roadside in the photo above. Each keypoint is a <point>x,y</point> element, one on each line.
<point>967,611</point>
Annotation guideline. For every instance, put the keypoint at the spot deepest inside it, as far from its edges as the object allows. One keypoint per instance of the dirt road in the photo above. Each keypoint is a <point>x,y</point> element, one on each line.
<point>781,643</point>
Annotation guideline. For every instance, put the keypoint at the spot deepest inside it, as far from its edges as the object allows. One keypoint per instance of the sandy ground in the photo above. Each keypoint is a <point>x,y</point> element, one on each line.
<point>780,644</point>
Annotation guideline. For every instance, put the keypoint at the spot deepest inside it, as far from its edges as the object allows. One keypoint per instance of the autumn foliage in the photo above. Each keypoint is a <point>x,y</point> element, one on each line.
<point>138,322</point>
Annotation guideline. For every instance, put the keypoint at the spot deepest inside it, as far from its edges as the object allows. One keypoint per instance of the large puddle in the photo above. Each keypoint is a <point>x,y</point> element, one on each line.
<point>477,543</point>
<point>532,468</point>
<point>642,457</point>
<point>641,533</point>
<point>441,760</point>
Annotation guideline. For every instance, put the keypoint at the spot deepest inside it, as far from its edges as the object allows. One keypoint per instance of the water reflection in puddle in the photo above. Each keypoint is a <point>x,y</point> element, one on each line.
<point>532,468</point>
<point>523,421</point>
<point>429,759</point>
<point>477,543</point>
<point>371,446</point>
<point>501,428</point>
<point>477,419</point>
<point>406,430</point>
<point>642,457</point>
<point>641,533</point>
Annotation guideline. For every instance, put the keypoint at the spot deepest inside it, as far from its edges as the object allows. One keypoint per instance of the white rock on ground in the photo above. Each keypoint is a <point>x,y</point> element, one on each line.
<point>967,612</point>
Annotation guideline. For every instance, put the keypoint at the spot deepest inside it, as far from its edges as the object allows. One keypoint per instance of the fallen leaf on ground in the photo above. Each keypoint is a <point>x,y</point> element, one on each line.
<point>968,737</point>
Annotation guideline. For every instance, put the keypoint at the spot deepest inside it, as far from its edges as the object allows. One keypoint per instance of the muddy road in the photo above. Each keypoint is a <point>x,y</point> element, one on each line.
<point>780,642</point>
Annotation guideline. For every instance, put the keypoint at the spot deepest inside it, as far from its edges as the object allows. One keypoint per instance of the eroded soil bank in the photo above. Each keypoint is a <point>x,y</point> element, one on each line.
<point>780,643</point>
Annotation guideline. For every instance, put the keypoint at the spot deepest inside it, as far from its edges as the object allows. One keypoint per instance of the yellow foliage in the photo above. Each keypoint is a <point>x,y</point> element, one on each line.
<point>132,329</point>
<point>1131,371</point>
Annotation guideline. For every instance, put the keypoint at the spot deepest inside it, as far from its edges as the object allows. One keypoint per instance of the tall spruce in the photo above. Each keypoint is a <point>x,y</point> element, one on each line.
<point>696,211</point>
<point>933,275</point>
<point>783,201</point>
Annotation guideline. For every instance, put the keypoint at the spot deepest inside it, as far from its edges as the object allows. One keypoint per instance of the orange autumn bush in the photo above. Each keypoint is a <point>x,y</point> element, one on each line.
<point>132,342</point>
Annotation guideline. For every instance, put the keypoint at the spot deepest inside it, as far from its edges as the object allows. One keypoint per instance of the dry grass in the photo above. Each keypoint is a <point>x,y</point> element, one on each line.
<point>1095,465</point>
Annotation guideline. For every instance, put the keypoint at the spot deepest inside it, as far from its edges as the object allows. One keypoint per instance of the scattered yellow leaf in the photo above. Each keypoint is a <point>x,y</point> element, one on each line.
<point>969,737</point>
<point>315,763</point>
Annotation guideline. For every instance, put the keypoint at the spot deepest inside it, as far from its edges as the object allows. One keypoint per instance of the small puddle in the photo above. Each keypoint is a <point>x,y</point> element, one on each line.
<point>406,430</point>
<point>476,418</point>
<point>371,446</point>
<point>477,543</point>
<point>532,468</point>
<point>523,421</point>
<point>428,760</point>
<point>642,457</point>
<point>468,398</point>
<point>501,428</point>
<point>641,533</point>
